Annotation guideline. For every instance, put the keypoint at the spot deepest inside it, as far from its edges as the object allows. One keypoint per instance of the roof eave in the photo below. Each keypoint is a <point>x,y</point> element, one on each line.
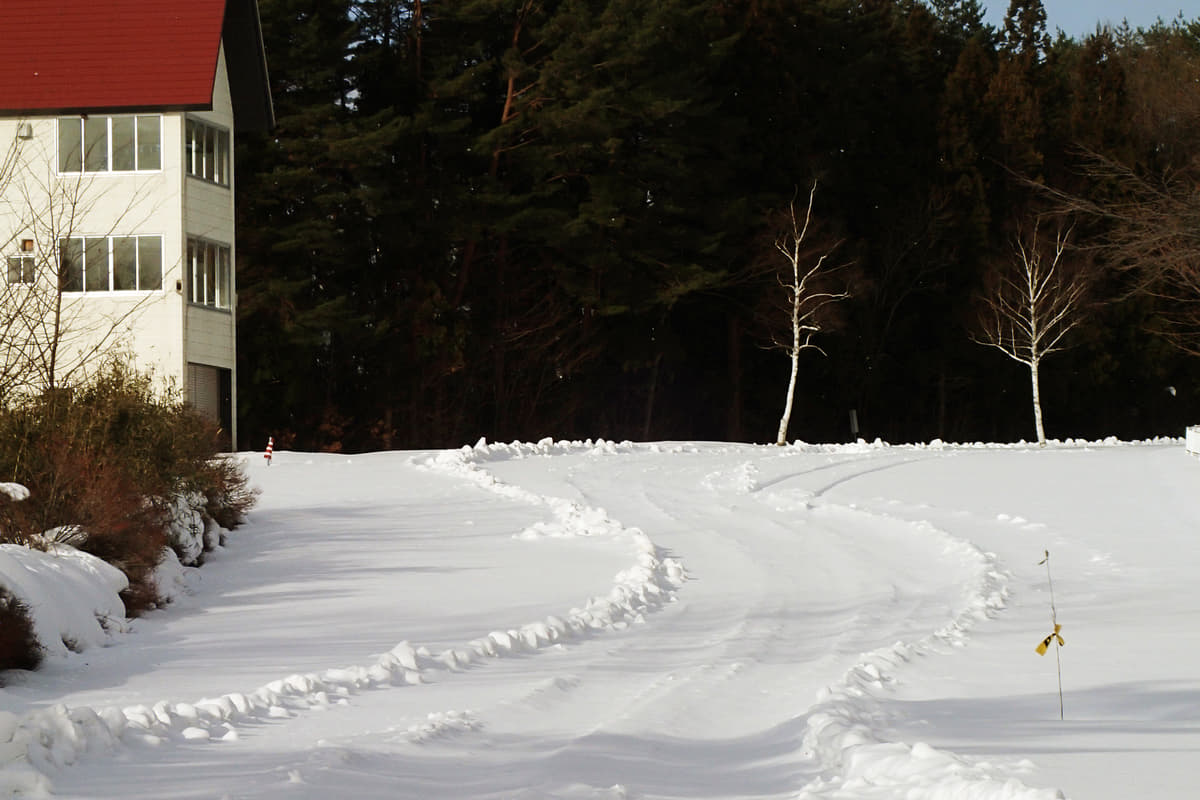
<point>83,111</point>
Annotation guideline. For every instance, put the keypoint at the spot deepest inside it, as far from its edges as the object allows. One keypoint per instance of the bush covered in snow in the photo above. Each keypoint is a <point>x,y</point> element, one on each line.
<point>118,471</point>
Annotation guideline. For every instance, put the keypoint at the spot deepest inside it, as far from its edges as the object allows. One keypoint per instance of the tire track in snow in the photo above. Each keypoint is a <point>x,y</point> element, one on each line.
<point>42,741</point>
<point>839,731</point>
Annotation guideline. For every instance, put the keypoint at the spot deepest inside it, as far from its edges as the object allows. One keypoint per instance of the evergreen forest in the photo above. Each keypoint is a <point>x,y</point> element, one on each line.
<point>529,218</point>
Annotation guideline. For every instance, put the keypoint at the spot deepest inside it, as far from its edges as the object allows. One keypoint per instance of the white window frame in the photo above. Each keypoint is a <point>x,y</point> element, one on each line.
<point>197,157</point>
<point>110,265</point>
<point>108,145</point>
<point>209,289</point>
<point>27,270</point>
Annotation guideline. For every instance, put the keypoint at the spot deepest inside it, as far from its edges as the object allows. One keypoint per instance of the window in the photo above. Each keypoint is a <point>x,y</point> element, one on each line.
<point>20,269</point>
<point>110,263</point>
<point>209,270</point>
<point>110,144</point>
<point>207,152</point>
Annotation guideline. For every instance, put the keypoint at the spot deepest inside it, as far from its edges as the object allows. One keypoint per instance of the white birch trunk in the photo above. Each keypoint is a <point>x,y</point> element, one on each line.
<point>1037,403</point>
<point>781,438</point>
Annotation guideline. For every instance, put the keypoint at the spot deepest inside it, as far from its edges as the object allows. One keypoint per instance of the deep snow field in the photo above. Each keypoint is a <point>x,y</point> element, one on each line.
<point>672,620</point>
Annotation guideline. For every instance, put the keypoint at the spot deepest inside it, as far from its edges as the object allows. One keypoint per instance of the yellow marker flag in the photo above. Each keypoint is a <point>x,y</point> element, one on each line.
<point>1041,648</point>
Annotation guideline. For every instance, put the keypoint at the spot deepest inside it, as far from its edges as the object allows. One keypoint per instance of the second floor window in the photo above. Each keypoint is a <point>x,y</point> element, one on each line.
<point>209,273</point>
<point>207,154</point>
<point>110,144</point>
<point>110,263</point>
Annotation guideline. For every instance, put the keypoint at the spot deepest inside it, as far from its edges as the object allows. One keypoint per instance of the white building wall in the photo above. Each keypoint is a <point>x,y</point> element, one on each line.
<point>38,203</point>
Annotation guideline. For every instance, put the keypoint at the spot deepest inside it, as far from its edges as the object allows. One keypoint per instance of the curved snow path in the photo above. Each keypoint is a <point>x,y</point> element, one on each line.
<point>758,682</point>
<point>41,741</point>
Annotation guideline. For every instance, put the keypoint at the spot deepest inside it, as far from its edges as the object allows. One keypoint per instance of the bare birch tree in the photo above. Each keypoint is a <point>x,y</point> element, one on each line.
<point>1032,307</point>
<point>805,300</point>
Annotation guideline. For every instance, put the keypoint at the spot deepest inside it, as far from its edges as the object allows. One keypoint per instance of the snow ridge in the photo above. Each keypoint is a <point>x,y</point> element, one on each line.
<point>841,726</point>
<point>648,584</point>
<point>33,745</point>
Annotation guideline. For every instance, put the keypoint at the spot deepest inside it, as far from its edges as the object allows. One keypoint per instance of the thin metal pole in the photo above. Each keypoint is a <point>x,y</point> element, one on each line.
<point>1055,636</point>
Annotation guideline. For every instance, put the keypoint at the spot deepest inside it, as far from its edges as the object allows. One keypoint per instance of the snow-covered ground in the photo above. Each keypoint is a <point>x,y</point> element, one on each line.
<point>675,620</point>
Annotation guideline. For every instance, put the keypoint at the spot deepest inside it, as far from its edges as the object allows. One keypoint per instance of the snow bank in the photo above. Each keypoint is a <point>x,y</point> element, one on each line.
<point>74,602</point>
<point>863,446</point>
<point>646,585</point>
<point>73,597</point>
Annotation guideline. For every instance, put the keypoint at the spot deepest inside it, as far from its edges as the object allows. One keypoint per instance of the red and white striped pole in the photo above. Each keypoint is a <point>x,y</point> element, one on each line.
<point>270,448</point>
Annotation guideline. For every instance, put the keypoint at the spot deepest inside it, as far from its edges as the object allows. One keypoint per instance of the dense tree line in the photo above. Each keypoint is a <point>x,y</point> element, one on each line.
<point>519,218</point>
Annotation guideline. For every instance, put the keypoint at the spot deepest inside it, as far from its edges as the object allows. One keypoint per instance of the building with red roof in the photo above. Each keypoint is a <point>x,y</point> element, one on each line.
<point>117,126</point>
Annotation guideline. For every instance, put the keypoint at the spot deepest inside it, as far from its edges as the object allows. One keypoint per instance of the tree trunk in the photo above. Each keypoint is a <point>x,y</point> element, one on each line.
<point>781,437</point>
<point>1037,403</point>
<point>648,417</point>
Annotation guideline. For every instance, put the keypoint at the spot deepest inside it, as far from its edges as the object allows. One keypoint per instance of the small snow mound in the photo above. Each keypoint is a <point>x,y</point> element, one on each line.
<point>15,492</point>
<point>74,596</point>
<point>442,724</point>
<point>170,577</point>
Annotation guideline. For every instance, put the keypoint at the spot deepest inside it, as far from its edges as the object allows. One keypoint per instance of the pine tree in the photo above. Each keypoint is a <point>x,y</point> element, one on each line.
<point>296,225</point>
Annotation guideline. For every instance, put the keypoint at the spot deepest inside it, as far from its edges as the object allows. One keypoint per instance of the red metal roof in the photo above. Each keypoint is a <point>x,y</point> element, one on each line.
<point>92,55</point>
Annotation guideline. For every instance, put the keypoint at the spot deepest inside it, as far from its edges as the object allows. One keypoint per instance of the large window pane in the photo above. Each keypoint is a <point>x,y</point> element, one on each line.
<point>70,274</point>
<point>95,144</point>
<point>193,270</point>
<point>224,299</point>
<point>223,158</point>
<point>210,275</point>
<point>70,144</point>
<point>122,143</point>
<point>95,264</point>
<point>149,145</point>
<point>125,268</point>
<point>149,263</point>
<point>210,153</point>
<point>193,149</point>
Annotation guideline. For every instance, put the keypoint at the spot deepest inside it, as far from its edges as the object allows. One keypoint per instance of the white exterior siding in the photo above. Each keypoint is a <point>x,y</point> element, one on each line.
<point>208,214</point>
<point>209,338</point>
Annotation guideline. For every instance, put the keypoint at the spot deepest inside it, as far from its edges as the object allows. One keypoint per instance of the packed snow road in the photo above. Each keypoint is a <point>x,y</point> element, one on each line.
<point>627,621</point>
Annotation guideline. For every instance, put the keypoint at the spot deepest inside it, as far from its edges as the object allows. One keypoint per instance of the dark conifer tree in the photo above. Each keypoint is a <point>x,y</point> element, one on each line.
<point>298,228</point>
